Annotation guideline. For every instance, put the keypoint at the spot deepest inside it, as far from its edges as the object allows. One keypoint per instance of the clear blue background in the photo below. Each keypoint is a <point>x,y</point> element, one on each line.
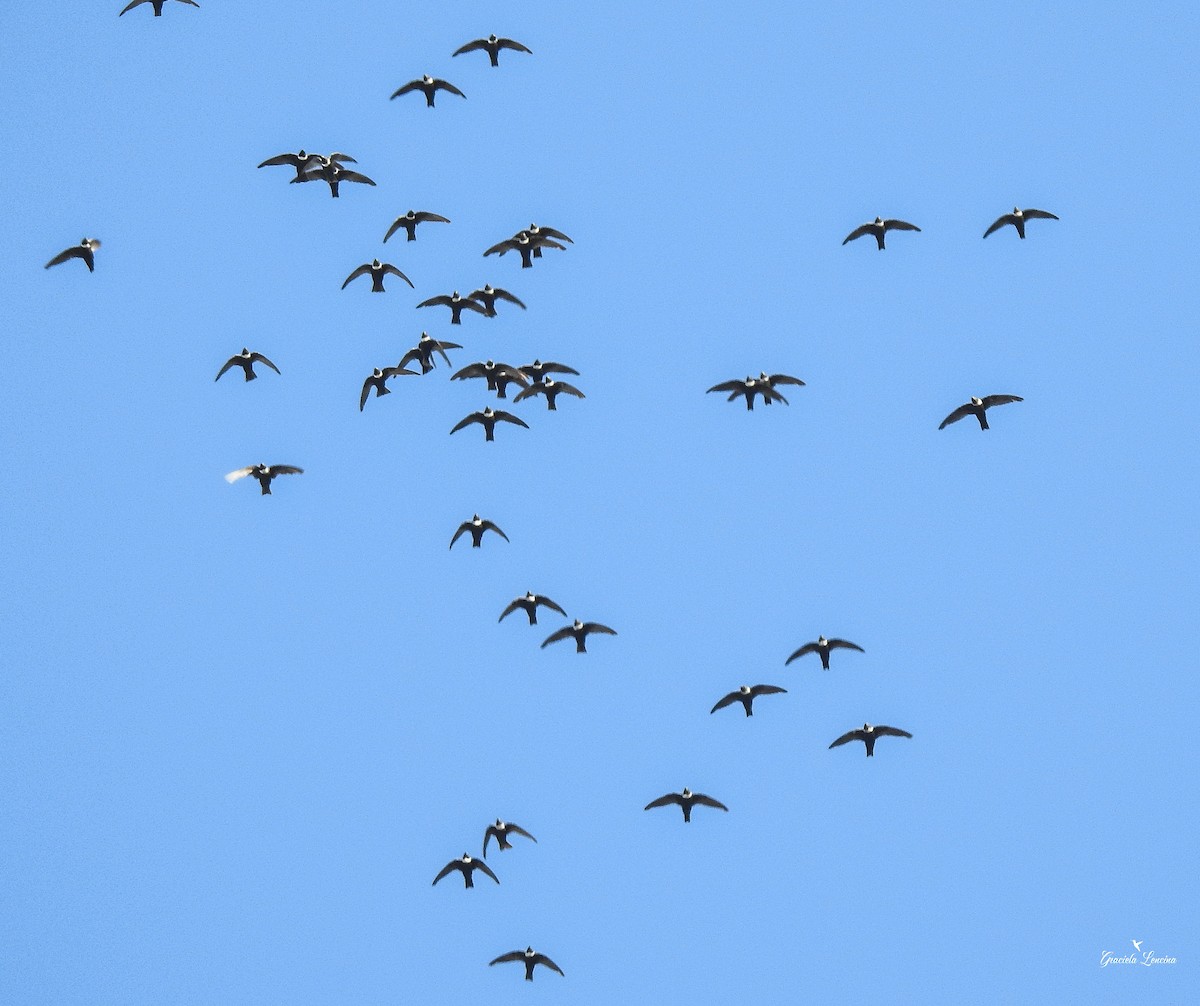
<point>240,735</point>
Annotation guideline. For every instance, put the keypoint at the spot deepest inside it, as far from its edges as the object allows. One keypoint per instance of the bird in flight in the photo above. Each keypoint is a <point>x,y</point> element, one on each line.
<point>410,220</point>
<point>531,958</point>
<point>579,631</point>
<point>878,228</point>
<point>330,171</point>
<point>498,375</point>
<point>551,389</point>
<point>526,245</point>
<point>456,303</point>
<point>376,270</point>
<point>763,385</point>
<point>746,694</point>
<point>157,4</point>
<point>537,370</point>
<point>378,380</point>
<point>303,161</point>
<point>246,360</point>
<point>1017,218</point>
<point>423,351</point>
<point>429,86</point>
<point>529,604</point>
<point>823,646</point>
<point>492,46</point>
<point>488,419</point>
<point>264,474</point>
<point>467,866</point>
<point>487,295</point>
<point>500,832</point>
<point>868,735</point>
<point>84,250</point>
<point>476,526</point>
<point>978,407</point>
<point>687,800</point>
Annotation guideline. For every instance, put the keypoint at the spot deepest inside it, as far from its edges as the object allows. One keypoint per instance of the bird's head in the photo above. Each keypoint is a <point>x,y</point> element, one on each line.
<point>465,858</point>
<point>488,288</point>
<point>489,412</point>
<point>377,372</point>
<point>424,337</point>
<point>476,519</point>
<point>492,38</point>
<point>578,624</point>
<point>529,951</point>
<point>686,792</point>
<point>530,595</point>
<point>1017,211</point>
<point>879,221</point>
<point>303,155</point>
<point>426,78</point>
<point>868,728</point>
<point>976,401</point>
<point>410,215</point>
<point>821,640</point>
<point>744,689</point>
<point>245,351</point>
<point>499,824</point>
<point>375,263</point>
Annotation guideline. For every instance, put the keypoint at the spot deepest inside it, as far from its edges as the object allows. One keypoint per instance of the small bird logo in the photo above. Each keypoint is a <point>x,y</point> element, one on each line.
<point>1137,945</point>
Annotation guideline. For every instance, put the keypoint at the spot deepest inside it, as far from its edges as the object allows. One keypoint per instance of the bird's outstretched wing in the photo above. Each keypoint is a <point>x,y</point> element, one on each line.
<point>570,389</point>
<point>846,738</point>
<point>480,865</point>
<point>499,295</point>
<point>1003,221</point>
<point>891,732</point>
<point>843,644</point>
<point>545,602</point>
<point>518,830</point>
<point>503,615</point>
<point>412,85</point>
<point>445,85</point>
<point>805,649</point>
<point>284,470</point>
<point>341,158</point>
<point>448,868</point>
<point>991,400</point>
<point>516,955</point>
<point>362,270</point>
<point>353,176</point>
<point>708,801</point>
<point>241,473</point>
<point>728,700</point>
<point>259,358</point>
<point>441,300</point>
<point>510,43</point>
<point>290,159</point>
<point>229,363</point>
<point>899,225</point>
<point>368,384</point>
<point>508,417</point>
<point>76,252</point>
<point>542,958</point>
<point>960,413</point>
<point>1038,215</point>
<point>767,690</point>
<point>859,232</point>
<point>784,379</point>
<point>664,801</point>
<point>474,417</point>
<point>487,525</point>
<point>388,268</point>
<point>589,627</point>
<point>564,633</point>
<point>737,387</point>
<point>500,248</point>
<point>463,528</point>
<point>550,232</point>
<point>469,371</point>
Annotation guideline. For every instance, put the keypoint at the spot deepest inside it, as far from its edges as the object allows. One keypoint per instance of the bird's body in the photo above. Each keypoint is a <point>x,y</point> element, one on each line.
<point>978,407</point>
<point>687,800</point>
<point>579,631</point>
<point>529,604</point>
<point>500,832</point>
<point>378,380</point>
<point>498,375</point>
<point>746,694</point>
<point>487,295</point>
<point>466,866</point>
<point>878,228</point>
<point>823,646</point>
<point>423,351</point>
<point>264,474</point>
<point>330,171</point>
<point>429,86</point>
<point>457,304</point>
<point>551,389</point>
<point>84,250</point>
<point>488,419</point>
<point>868,735</point>
<point>530,958</point>
<point>376,270</point>
<point>1017,219</point>
<point>410,220</point>
<point>475,527</point>
<point>492,46</point>
<point>246,360</point>
<point>157,4</point>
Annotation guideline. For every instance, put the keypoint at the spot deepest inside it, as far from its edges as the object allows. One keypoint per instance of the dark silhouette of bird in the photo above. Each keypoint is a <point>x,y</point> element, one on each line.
<point>457,305</point>
<point>157,4</point>
<point>376,270</point>
<point>746,694</point>
<point>978,407</point>
<point>466,866</point>
<point>333,173</point>
<point>878,229</point>
<point>498,375</point>
<point>476,526</point>
<point>492,46</point>
<point>579,631</point>
<point>551,389</point>
<point>429,86</point>
<point>1017,218</point>
<point>500,832</point>
<point>246,360</point>
<point>488,419</point>
<point>423,351</point>
<point>868,735</point>
<point>525,245</point>
<point>378,380</point>
<point>410,220</point>
<point>303,161</point>
<point>537,370</point>
<point>752,386</point>
<point>529,957</point>
<point>84,250</point>
<point>687,800</point>
<point>823,646</point>
<point>264,474</point>
<point>529,604</point>
<point>487,295</point>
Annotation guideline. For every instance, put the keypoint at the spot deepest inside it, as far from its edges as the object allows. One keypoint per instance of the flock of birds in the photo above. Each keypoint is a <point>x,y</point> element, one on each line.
<point>535,380</point>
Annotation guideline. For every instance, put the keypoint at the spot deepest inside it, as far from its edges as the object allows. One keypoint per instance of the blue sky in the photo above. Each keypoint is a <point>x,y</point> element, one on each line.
<point>240,735</point>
